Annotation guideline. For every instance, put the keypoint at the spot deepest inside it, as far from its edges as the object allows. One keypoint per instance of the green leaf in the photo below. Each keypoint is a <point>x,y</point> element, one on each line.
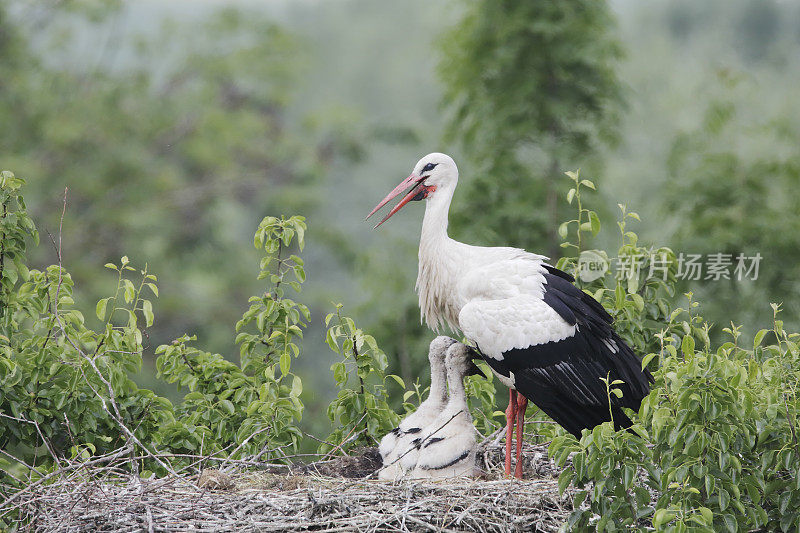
<point>300,273</point>
<point>152,287</point>
<point>730,523</point>
<point>147,310</point>
<point>638,301</point>
<point>564,481</point>
<point>227,406</point>
<point>663,516</point>
<point>285,363</point>
<point>301,231</point>
<point>563,230</point>
<point>398,379</point>
<point>628,475</point>
<point>297,386</point>
<point>759,338</point>
<point>724,499</point>
<point>707,514</point>
<point>330,339</point>
<point>130,290</point>
<point>619,296</point>
<point>633,284</point>
<point>594,222</point>
<point>687,346</point>
<point>339,372</point>
<point>100,310</point>
<point>783,503</point>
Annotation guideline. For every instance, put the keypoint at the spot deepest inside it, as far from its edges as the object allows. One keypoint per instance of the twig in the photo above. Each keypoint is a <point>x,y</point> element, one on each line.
<point>20,461</point>
<point>116,415</point>
<point>346,439</point>
<point>245,441</point>
<point>498,433</point>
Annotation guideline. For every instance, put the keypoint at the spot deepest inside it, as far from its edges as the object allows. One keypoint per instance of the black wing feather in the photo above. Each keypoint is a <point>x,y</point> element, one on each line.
<point>563,377</point>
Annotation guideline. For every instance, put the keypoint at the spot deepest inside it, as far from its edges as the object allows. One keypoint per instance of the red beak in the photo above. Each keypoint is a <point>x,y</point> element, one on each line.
<point>412,180</point>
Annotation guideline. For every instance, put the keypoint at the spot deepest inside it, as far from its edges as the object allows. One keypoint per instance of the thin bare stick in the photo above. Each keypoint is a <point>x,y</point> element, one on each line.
<point>346,439</point>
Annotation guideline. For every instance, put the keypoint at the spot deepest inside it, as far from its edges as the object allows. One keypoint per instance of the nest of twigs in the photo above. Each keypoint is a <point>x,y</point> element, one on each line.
<point>322,496</point>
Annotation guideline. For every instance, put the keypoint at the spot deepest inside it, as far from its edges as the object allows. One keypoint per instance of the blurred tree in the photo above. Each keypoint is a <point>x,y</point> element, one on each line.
<point>733,189</point>
<point>171,159</point>
<point>533,91</point>
<point>757,29</point>
<point>685,18</point>
<point>393,309</point>
<point>386,73</point>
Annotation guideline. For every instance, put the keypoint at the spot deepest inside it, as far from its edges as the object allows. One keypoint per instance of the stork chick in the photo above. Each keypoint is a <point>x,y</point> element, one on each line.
<point>448,446</point>
<point>398,448</point>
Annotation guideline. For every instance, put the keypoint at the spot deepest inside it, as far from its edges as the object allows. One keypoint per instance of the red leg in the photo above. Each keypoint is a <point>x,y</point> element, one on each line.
<point>522,404</point>
<point>511,413</point>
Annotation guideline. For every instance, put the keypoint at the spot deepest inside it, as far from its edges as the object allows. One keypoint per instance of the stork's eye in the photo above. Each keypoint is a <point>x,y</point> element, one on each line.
<point>429,166</point>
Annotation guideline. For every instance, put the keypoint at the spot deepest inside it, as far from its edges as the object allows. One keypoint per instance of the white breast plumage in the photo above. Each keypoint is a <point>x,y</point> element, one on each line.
<point>435,286</point>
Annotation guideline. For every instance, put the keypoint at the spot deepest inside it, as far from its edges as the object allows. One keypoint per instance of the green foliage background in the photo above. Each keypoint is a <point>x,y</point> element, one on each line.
<point>177,138</point>
<point>177,128</point>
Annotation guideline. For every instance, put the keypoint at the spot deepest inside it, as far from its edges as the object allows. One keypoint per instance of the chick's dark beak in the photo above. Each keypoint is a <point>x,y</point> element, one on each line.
<point>474,370</point>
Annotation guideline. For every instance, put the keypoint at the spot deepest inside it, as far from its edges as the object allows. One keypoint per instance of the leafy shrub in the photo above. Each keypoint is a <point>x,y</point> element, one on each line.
<point>640,300</point>
<point>640,297</point>
<point>714,447</point>
<point>66,389</point>
<point>716,442</point>
<point>64,386</point>
<point>362,411</point>
<point>278,320</point>
<point>252,408</point>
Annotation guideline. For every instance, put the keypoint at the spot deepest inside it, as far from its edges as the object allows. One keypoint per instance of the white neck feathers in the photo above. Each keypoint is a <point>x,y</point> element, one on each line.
<point>437,266</point>
<point>455,380</point>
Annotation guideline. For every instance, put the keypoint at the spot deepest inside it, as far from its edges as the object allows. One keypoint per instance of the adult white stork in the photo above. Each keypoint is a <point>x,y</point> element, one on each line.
<point>540,334</point>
